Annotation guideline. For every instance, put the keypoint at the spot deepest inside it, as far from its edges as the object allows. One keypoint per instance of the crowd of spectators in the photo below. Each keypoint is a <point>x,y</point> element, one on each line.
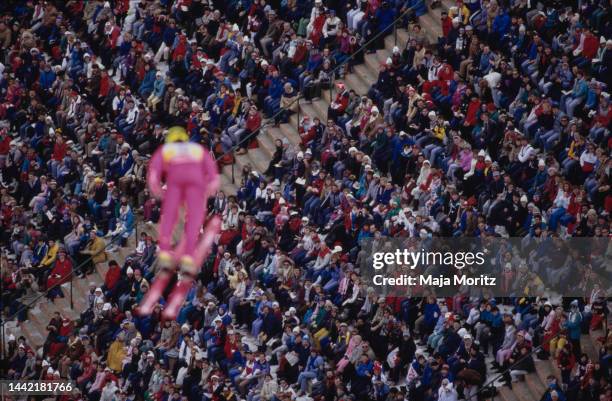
<point>500,128</point>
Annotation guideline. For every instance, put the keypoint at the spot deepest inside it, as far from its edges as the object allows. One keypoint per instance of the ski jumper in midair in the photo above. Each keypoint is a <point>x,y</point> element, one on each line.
<point>191,176</point>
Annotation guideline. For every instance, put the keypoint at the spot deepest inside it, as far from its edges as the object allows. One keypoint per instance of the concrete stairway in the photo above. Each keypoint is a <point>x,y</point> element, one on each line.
<point>35,328</point>
<point>360,80</point>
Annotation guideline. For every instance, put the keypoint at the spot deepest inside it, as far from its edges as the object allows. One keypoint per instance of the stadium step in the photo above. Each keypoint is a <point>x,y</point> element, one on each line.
<point>99,273</point>
<point>365,73</point>
<point>321,107</point>
<point>308,109</point>
<point>506,394</point>
<point>81,287</point>
<point>226,178</point>
<point>288,131</point>
<point>522,392</point>
<point>63,306</point>
<point>240,162</point>
<point>266,143</point>
<point>256,158</point>
<point>31,333</point>
<point>447,4</point>
<point>544,369</point>
<point>402,38</point>
<point>357,83</point>
<point>432,27</point>
<point>372,62</point>
<point>226,182</point>
<point>383,54</point>
<point>535,384</point>
<point>38,320</point>
<point>588,347</point>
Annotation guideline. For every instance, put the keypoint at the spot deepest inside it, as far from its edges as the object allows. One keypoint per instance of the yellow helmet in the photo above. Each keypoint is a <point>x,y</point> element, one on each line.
<point>177,134</point>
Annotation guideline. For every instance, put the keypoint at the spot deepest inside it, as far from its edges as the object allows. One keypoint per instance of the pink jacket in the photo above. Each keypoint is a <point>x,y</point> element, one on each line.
<point>183,163</point>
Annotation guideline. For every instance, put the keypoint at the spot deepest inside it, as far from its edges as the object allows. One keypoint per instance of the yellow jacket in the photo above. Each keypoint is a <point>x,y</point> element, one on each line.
<point>96,249</point>
<point>439,132</point>
<point>572,150</point>
<point>465,14</point>
<point>50,256</point>
<point>237,104</point>
<point>535,283</point>
<point>116,353</point>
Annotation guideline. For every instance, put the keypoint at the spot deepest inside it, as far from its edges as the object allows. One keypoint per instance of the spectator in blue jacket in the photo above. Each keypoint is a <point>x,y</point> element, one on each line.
<point>168,37</point>
<point>577,96</point>
<point>146,87</point>
<point>501,26</point>
<point>275,91</point>
<point>312,370</point>
<point>384,16</point>
<point>122,164</point>
<point>360,384</point>
<point>573,325</point>
<point>427,321</point>
<point>124,224</point>
<point>159,89</point>
<point>47,76</point>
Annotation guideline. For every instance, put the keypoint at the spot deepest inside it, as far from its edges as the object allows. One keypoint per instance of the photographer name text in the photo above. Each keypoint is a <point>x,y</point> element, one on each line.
<point>434,281</point>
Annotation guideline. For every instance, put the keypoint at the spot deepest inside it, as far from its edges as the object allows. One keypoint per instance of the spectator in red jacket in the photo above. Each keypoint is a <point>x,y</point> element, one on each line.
<point>447,23</point>
<point>112,275</point>
<point>590,44</point>
<point>59,149</point>
<point>472,112</point>
<point>253,120</point>
<point>59,274</point>
<point>5,143</point>
<point>338,106</point>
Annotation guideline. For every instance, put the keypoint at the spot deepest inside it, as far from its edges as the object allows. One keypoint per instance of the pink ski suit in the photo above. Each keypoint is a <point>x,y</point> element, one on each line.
<point>191,176</point>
